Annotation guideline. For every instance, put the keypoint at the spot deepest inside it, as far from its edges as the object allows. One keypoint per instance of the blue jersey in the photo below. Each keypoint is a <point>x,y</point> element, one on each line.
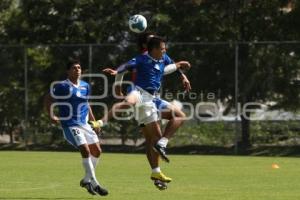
<point>74,102</point>
<point>149,71</point>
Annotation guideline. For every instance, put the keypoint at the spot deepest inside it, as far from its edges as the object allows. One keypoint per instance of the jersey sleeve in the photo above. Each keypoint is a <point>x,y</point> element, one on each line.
<point>60,90</point>
<point>89,91</point>
<point>128,66</point>
<point>167,60</point>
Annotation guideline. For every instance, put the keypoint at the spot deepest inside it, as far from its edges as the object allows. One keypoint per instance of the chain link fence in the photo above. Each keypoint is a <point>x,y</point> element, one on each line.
<point>240,92</point>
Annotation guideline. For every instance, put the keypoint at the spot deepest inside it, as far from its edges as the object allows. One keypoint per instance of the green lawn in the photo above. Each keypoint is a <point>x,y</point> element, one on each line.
<point>56,175</point>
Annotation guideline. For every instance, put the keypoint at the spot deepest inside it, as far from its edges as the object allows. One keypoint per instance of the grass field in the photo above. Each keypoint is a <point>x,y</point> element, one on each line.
<point>56,175</point>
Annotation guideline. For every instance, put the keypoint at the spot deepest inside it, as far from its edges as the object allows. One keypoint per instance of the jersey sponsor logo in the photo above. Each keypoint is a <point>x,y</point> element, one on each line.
<point>82,88</point>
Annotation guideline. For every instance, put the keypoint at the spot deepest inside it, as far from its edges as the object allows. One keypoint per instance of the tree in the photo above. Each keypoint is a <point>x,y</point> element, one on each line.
<point>266,71</point>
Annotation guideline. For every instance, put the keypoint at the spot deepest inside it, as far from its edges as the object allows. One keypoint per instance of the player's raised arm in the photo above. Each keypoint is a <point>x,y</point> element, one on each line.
<point>185,82</point>
<point>119,74</point>
<point>178,67</point>
<point>110,71</point>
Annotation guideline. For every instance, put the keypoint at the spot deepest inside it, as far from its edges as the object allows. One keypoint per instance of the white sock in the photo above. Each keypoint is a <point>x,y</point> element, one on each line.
<point>163,142</point>
<point>94,161</point>
<point>156,170</point>
<point>89,171</point>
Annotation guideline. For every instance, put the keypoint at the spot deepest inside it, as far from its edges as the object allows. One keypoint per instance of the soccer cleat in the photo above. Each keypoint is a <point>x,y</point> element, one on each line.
<point>100,190</point>
<point>88,186</point>
<point>160,185</point>
<point>162,152</point>
<point>160,176</point>
<point>96,124</point>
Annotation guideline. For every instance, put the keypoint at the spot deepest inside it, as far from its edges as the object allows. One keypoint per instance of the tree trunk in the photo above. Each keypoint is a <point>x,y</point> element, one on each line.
<point>11,135</point>
<point>124,128</point>
<point>245,142</point>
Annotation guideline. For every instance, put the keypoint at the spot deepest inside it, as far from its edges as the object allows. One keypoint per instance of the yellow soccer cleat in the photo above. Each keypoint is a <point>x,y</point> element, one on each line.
<point>160,176</point>
<point>96,124</point>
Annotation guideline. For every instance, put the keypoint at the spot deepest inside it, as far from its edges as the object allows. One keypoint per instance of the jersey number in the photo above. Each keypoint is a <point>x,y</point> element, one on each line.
<point>75,132</point>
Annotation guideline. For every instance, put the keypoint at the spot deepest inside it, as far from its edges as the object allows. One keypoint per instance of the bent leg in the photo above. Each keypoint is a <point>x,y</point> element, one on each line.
<point>129,101</point>
<point>176,119</point>
<point>96,151</point>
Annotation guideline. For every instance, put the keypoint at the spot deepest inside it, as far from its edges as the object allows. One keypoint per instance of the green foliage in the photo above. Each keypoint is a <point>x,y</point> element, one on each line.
<point>266,72</point>
<point>205,133</point>
<point>283,133</point>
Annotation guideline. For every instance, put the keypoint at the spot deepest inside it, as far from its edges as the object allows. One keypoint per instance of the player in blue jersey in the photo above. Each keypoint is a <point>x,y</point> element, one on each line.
<point>71,98</point>
<point>168,111</point>
<point>149,69</point>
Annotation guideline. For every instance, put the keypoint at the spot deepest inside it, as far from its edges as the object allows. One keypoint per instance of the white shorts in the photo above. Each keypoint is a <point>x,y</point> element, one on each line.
<point>79,135</point>
<point>145,109</point>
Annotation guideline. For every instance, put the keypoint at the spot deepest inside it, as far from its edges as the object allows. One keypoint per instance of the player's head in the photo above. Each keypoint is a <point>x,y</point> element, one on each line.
<point>143,39</point>
<point>156,47</point>
<point>73,69</point>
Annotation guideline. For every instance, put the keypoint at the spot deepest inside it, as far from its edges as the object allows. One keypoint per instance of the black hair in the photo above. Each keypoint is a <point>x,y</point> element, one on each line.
<point>71,63</point>
<point>143,38</point>
<point>154,42</point>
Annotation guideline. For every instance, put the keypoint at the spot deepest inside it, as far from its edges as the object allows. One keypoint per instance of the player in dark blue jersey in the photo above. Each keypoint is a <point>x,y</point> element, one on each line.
<point>149,68</point>
<point>71,98</point>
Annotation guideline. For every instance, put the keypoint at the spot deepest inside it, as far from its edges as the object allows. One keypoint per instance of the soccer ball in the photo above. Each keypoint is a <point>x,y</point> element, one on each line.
<point>137,23</point>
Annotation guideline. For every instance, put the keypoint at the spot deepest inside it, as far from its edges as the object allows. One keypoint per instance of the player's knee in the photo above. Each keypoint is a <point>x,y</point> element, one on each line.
<point>122,105</point>
<point>179,115</point>
<point>95,150</point>
<point>182,115</point>
<point>130,102</point>
<point>85,151</point>
<point>131,99</point>
<point>96,153</point>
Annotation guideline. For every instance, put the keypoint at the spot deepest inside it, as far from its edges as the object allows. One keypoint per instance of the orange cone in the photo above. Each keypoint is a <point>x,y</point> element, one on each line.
<point>275,166</point>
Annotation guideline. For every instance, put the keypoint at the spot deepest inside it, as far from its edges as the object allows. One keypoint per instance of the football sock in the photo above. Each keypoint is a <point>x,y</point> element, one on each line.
<point>95,161</point>
<point>163,142</point>
<point>156,170</point>
<point>89,171</point>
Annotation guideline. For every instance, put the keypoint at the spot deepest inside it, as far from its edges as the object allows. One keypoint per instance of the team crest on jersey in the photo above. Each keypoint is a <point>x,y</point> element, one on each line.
<point>78,94</point>
<point>156,66</point>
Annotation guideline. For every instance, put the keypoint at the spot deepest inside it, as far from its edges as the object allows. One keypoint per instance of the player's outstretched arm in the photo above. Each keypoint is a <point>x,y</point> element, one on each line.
<point>178,66</point>
<point>118,79</point>
<point>110,71</point>
<point>185,82</point>
<point>183,65</point>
